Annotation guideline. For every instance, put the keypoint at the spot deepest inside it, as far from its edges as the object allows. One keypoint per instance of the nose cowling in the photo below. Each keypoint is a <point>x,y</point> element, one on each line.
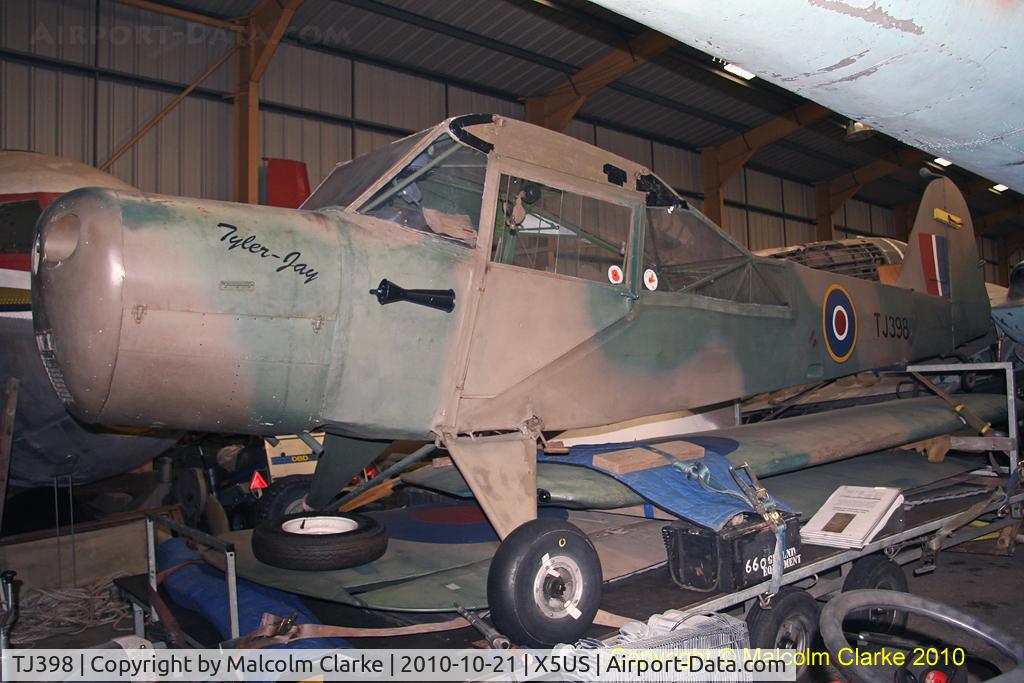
<point>77,291</point>
<point>186,313</point>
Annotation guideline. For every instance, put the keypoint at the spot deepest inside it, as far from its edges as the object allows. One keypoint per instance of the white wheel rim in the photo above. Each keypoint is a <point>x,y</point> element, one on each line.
<point>319,526</point>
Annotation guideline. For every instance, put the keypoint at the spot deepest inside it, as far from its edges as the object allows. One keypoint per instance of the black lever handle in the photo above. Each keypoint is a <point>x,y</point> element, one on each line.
<point>388,292</point>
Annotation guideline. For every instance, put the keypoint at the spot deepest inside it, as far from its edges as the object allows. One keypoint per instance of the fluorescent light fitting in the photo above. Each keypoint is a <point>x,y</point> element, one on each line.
<point>737,70</point>
<point>999,187</point>
<point>855,130</point>
<point>942,162</point>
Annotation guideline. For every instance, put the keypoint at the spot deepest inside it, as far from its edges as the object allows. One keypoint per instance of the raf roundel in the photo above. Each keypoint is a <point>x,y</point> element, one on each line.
<point>839,320</point>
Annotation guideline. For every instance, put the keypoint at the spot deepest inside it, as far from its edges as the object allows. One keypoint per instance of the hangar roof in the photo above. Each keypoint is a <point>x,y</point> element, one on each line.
<point>520,48</point>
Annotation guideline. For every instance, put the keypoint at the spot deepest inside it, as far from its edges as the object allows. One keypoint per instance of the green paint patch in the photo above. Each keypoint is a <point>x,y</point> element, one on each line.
<point>139,212</point>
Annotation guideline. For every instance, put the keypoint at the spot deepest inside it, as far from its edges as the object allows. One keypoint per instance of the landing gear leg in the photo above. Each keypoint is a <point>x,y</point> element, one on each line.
<point>544,583</point>
<point>342,459</point>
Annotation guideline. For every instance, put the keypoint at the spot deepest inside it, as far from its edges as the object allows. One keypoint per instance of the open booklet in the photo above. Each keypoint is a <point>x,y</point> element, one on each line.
<point>852,516</point>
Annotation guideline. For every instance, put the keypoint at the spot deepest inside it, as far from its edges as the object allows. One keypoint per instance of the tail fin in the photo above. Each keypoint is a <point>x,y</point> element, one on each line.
<point>942,259</point>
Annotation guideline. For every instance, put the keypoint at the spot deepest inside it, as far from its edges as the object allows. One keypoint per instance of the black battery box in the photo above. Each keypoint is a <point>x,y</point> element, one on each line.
<point>738,556</point>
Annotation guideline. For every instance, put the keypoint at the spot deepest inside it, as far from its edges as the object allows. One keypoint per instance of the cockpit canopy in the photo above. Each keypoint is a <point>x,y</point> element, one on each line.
<point>434,181</point>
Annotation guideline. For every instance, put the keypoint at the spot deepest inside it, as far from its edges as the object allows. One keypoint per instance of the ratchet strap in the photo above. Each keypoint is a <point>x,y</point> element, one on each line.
<point>174,633</point>
<point>275,630</point>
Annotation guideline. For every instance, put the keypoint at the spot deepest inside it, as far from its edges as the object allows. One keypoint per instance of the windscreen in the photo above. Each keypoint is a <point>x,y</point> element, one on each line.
<point>349,180</point>
<point>438,192</point>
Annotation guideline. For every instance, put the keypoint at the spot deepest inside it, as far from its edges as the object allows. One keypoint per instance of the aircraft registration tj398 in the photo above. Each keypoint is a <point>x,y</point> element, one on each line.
<point>475,283</point>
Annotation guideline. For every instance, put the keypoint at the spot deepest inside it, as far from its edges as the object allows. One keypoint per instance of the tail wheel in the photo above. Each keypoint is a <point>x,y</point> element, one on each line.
<point>544,584</point>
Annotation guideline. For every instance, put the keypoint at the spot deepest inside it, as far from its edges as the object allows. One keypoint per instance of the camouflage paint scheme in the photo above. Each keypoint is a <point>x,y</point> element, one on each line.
<point>226,317</point>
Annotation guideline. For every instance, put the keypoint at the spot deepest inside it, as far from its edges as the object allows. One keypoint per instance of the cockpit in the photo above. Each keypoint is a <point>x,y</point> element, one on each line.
<point>560,206</point>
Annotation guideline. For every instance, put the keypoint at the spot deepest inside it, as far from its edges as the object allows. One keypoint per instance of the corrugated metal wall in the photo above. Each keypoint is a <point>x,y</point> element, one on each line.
<point>78,77</point>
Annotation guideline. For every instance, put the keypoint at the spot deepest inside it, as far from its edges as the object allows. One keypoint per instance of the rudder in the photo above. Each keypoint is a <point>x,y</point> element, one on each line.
<point>942,259</point>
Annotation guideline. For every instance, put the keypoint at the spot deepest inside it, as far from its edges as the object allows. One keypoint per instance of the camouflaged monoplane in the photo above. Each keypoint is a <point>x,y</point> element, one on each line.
<point>482,283</point>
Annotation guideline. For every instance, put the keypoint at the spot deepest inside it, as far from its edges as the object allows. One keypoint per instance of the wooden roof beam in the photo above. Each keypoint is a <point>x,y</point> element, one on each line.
<point>985,224</point>
<point>720,163</point>
<point>833,193</point>
<point>556,108</point>
<point>264,28</point>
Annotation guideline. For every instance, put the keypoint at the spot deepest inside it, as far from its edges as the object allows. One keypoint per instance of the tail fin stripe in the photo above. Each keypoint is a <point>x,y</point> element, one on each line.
<point>942,263</point>
<point>935,262</point>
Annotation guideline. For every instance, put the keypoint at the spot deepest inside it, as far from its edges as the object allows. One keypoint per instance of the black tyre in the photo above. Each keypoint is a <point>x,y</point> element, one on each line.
<point>968,382</point>
<point>791,623</point>
<point>319,541</point>
<point>283,497</point>
<point>876,571</point>
<point>544,584</point>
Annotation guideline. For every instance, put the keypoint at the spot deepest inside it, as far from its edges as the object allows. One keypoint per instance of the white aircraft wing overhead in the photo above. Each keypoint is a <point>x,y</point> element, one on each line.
<point>945,77</point>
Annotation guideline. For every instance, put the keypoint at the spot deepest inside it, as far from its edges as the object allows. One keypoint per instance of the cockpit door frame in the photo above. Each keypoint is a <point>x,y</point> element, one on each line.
<point>628,290</point>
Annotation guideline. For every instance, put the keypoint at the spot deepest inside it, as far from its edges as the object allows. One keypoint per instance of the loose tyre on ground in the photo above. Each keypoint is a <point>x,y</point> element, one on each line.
<point>791,623</point>
<point>544,584</point>
<point>319,541</point>
<point>876,571</point>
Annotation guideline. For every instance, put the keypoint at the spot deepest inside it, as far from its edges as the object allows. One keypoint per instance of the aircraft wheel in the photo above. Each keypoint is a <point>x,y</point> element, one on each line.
<point>790,623</point>
<point>283,497</point>
<point>319,541</point>
<point>878,572</point>
<point>544,584</point>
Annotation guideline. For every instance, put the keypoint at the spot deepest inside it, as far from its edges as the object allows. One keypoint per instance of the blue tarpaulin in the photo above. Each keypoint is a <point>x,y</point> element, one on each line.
<point>667,487</point>
<point>203,589</point>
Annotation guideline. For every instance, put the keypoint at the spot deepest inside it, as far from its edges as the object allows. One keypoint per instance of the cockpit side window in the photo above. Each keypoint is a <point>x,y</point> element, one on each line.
<point>682,249</point>
<point>684,252</point>
<point>557,231</point>
<point>440,192</point>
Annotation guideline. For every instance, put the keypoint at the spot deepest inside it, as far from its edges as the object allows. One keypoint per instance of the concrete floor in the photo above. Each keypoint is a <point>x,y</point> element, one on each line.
<point>981,585</point>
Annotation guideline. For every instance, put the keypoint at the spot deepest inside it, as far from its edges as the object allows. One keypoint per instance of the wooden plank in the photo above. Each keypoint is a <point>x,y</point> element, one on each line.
<point>629,460</point>
<point>681,450</point>
<point>981,444</point>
